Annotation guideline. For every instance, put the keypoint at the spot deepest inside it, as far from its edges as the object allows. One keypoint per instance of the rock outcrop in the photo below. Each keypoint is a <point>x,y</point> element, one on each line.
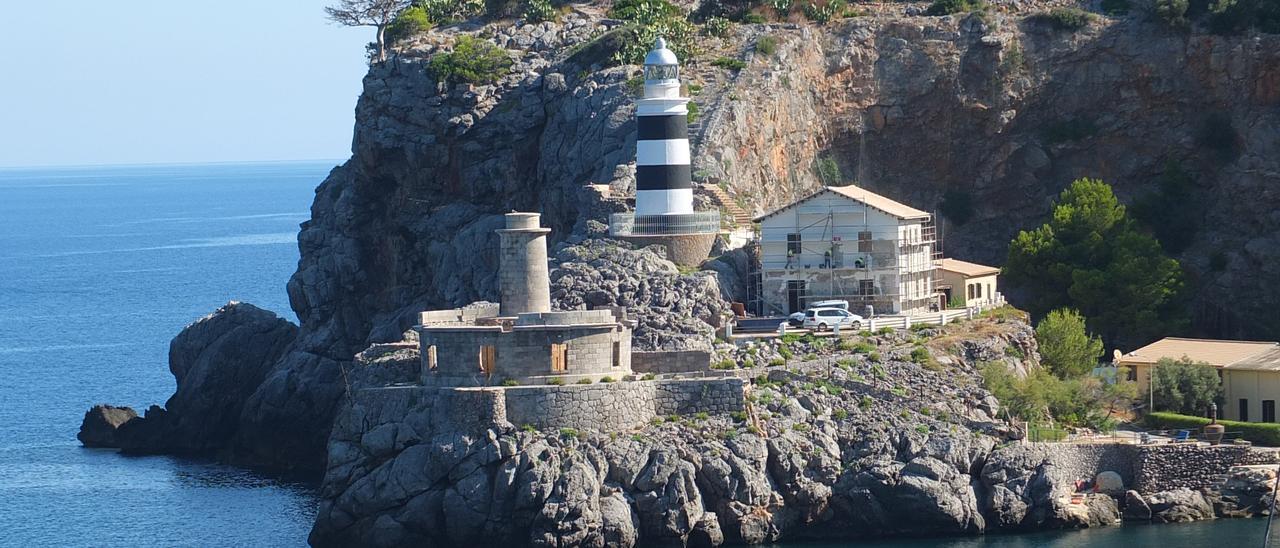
<point>98,429</point>
<point>219,362</point>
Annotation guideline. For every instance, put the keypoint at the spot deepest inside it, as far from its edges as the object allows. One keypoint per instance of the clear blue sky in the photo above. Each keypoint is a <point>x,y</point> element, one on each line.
<point>156,81</point>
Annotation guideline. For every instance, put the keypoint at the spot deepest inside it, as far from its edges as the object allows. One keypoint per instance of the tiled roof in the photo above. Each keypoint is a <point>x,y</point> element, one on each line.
<point>966,268</point>
<point>896,209</point>
<point>1215,352</point>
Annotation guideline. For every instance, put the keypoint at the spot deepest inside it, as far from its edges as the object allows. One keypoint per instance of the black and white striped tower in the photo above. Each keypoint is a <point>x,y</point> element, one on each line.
<point>664,185</point>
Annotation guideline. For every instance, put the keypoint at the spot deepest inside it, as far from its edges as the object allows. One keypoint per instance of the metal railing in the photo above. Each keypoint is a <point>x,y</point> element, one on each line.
<point>630,224</point>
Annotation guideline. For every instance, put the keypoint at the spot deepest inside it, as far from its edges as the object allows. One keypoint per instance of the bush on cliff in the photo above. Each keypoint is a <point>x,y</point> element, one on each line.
<point>1066,347</point>
<point>412,21</point>
<point>450,11</point>
<point>1261,433</point>
<point>1184,386</point>
<point>1041,398</point>
<point>537,11</point>
<point>1070,19</point>
<point>647,20</point>
<point>472,60</point>
<point>948,7</point>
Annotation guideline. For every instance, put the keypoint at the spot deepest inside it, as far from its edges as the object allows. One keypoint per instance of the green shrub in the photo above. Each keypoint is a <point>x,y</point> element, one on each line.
<point>473,60</point>
<point>584,381</point>
<point>537,11</point>
<point>865,402</point>
<point>568,433</point>
<point>412,21</point>
<point>1044,433</point>
<point>510,382</point>
<point>767,45</point>
<point>729,63</point>
<point>785,352</point>
<point>1185,386</point>
<point>840,414</point>
<point>1071,19</point>
<point>845,363</point>
<point>647,20</point>
<point>922,428</point>
<point>1014,351</point>
<point>725,364</point>
<point>781,7</point>
<point>874,356</point>
<point>754,19</point>
<point>777,361</point>
<point>1173,13</point>
<point>810,356</point>
<point>648,377</point>
<point>1066,347</point>
<point>528,428</point>
<point>717,26</point>
<point>692,115</point>
<point>828,171</point>
<point>824,11</point>
<point>800,427</point>
<point>729,435</point>
<point>885,331</point>
<point>606,378</point>
<point>739,416</point>
<point>948,7</point>
<point>556,382</point>
<point>1115,7</point>
<point>701,416</point>
<point>450,11</point>
<point>673,418</point>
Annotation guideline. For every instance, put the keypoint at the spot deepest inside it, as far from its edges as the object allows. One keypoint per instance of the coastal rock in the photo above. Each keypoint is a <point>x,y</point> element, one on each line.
<point>1179,505</point>
<point>1135,507</point>
<point>98,429</point>
<point>218,362</point>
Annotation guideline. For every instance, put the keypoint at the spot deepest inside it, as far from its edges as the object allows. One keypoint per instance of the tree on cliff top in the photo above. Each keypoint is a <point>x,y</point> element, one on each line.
<point>1090,256</point>
<point>1066,347</point>
<point>368,13</point>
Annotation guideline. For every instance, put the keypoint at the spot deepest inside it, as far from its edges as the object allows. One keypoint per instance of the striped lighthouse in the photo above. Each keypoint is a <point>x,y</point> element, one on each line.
<point>664,185</point>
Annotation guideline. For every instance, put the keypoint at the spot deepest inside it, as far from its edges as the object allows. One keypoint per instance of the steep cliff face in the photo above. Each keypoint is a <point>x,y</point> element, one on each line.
<point>1005,113</point>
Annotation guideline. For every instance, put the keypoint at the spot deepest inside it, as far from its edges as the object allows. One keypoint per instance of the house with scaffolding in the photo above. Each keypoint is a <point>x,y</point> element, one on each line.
<point>851,244</point>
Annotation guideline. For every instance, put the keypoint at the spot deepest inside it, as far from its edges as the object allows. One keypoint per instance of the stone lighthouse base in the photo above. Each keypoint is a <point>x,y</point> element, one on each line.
<point>682,249</point>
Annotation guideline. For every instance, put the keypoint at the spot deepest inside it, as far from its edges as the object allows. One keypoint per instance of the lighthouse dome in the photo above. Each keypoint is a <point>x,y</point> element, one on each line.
<point>660,55</point>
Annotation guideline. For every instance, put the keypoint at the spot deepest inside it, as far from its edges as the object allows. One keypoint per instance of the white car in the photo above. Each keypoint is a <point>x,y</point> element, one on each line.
<point>822,319</point>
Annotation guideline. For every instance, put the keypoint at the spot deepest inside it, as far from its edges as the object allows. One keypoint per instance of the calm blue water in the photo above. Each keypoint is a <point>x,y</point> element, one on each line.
<point>100,267</point>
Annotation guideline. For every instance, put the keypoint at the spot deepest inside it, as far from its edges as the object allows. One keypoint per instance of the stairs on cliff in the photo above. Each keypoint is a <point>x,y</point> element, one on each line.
<point>720,197</point>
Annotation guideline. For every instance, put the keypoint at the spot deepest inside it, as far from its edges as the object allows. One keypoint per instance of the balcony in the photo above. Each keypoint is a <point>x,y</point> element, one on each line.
<point>630,224</point>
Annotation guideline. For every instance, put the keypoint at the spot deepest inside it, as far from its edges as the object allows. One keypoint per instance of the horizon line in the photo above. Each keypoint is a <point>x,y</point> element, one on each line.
<point>338,161</point>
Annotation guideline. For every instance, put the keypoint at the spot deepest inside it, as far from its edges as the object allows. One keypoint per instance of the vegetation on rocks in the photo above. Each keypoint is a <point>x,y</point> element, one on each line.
<point>1066,348</point>
<point>646,21</point>
<point>1070,19</point>
<point>949,7</point>
<point>473,60</point>
<point>1091,256</point>
<point>413,20</point>
<point>537,11</point>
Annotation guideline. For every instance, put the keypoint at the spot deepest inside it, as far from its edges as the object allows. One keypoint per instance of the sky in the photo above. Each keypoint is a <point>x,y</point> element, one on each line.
<point>90,82</point>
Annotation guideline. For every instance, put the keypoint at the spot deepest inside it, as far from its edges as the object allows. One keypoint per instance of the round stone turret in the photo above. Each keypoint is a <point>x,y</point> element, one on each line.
<point>522,267</point>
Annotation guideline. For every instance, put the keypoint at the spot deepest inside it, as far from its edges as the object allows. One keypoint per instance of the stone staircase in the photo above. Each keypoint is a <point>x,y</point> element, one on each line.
<point>720,197</point>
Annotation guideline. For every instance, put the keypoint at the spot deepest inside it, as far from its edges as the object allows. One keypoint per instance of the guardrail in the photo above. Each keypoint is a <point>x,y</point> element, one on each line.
<point>630,224</point>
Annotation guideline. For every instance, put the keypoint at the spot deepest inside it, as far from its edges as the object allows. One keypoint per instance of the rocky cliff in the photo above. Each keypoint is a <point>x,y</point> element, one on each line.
<point>1001,111</point>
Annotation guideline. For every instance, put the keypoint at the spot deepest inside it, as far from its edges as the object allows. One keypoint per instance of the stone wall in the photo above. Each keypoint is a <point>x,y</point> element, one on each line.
<point>1166,467</point>
<point>682,361</point>
<point>1149,468</point>
<point>620,405</point>
<point>524,353</point>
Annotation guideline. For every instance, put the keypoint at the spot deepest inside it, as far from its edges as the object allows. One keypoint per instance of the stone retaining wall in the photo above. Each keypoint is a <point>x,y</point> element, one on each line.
<point>1148,468</point>
<point>619,405</point>
<point>681,361</point>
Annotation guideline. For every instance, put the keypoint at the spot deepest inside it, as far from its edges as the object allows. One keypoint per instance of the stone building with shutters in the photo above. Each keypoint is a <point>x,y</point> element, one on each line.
<point>521,339</point>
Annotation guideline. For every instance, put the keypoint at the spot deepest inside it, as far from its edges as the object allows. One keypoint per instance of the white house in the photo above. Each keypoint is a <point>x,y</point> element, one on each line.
<point>847,243</point>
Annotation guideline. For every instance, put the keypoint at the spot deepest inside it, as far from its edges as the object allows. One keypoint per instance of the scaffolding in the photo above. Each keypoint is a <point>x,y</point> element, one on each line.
<point>889,267</point>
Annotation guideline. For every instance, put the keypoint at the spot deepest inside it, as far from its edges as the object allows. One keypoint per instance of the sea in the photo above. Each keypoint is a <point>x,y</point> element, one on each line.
<point>101,266</point>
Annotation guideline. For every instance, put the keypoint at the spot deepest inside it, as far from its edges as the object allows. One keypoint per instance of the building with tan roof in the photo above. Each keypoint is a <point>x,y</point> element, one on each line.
<point>851,244</point>
<point>1249,370</point>
<point>968,284</point>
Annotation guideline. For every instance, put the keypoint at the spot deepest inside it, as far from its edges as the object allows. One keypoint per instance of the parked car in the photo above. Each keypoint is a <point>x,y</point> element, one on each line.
<point>822,319</point>
<point>834,303</point>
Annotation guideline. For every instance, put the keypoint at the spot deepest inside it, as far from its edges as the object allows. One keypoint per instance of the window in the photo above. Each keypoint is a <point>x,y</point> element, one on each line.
<point>866,287</point>
<point>989,292</point>
<point>559,358</point>
<point>431,358</point>
<point>864,242</point>
<point>488,357</point>
<point>1244,410</point>
<point>970,291</point>
<point>617,353</point>
<point>793,244</point>
<point>1268,410</point>
<point>978,290</point>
